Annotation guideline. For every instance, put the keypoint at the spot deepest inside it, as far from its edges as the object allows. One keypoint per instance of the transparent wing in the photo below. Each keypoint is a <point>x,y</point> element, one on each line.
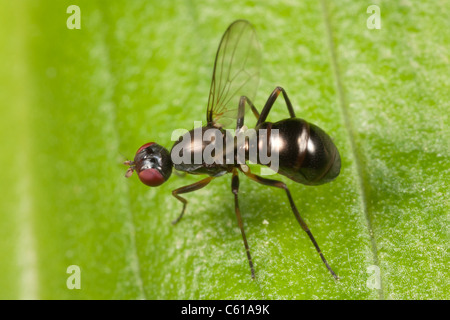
<point>236,72</point>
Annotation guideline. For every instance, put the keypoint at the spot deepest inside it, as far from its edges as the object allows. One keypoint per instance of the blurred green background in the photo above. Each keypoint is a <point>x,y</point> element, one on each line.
<point>76,103</point>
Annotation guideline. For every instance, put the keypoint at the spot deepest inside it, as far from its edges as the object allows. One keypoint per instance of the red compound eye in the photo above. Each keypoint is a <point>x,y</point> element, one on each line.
<point>151,177</point>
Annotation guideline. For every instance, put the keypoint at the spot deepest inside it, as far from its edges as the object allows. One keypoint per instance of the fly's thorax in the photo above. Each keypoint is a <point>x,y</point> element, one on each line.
<point>202,150</point>
<point>211,149</point>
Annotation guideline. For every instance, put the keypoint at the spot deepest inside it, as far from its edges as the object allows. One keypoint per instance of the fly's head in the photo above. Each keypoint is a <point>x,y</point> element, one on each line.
<point>152,163</point>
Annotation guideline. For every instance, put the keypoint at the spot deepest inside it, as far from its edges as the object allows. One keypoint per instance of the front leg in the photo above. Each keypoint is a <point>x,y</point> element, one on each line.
<point>192,187</point>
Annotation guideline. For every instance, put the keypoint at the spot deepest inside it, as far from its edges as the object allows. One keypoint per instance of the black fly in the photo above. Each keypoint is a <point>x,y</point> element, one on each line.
<point>305,153</point>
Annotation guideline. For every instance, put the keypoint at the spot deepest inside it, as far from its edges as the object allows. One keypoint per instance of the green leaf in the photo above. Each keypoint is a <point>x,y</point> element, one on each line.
<point>77,103</point>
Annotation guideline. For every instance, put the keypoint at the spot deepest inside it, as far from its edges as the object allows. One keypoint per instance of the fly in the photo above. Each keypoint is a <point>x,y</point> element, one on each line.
<point>305,153</point>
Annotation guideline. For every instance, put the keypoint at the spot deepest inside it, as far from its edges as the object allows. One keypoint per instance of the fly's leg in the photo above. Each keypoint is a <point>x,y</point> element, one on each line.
<point>282,185</point>
<point>240,123</point>
<point>235,190</point>
<point>241,111</point>
<point>192,187</point>
<point>272,98</point>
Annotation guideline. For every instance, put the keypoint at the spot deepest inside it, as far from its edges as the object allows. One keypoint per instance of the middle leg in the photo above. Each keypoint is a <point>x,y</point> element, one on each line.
<point>235,190</point>
<point>241,111</point>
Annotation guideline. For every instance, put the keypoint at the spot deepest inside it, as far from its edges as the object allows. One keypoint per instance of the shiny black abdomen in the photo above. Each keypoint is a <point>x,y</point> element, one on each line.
<point>306,153</point>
